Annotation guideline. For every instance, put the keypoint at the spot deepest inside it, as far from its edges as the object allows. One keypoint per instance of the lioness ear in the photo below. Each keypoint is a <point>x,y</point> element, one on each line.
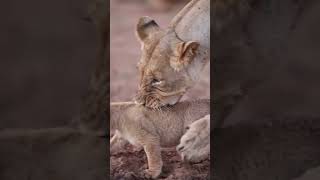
<point>186,52</point>
<point>145,27</point>
<point>187,49</point>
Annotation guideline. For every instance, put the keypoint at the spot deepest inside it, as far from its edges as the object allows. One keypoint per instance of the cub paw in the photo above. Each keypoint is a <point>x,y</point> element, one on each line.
<point>149,174</point>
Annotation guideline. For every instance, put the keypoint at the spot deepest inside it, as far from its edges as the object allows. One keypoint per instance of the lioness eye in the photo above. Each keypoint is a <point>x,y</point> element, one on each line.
<point>155,81</point>
<point>187,128</point>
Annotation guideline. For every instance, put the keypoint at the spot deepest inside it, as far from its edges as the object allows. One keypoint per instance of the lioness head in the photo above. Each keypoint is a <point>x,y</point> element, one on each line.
<point>165,66</point>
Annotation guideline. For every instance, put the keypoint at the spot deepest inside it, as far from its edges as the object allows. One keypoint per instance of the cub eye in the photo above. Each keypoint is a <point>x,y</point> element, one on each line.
<point>187,128</point>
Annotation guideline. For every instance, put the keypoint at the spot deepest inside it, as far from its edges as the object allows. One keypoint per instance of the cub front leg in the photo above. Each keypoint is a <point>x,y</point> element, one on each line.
<point>195,143</point>
<point>155,163</point>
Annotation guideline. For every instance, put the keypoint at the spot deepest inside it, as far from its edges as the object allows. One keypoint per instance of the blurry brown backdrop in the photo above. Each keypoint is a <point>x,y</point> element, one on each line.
<point>47,53</point>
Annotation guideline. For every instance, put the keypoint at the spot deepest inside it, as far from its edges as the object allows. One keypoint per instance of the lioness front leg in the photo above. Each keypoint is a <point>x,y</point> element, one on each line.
<point>155,163</point>
<point>195,143</point>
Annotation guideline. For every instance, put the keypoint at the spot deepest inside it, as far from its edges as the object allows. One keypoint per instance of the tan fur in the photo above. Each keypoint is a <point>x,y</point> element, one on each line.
<point>166,75</point>
<point>171,59</point>
<point>171,62</point>
<point>153,129</point>
<point>161,58</point>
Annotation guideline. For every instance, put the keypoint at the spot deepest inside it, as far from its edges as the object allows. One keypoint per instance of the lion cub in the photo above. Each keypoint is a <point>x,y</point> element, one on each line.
<point>152,128</point>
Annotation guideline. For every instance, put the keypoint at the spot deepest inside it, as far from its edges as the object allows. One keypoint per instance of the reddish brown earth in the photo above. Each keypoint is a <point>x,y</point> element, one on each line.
<point>129,163</point>
<point>124,55</point>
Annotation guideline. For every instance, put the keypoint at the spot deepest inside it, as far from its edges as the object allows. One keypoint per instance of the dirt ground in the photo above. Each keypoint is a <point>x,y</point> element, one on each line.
<point>124,55</point>
<point>129,163</point>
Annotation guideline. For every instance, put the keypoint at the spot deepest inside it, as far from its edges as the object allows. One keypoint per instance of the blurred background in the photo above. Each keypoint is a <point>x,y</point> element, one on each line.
<point>47,53</point>
<point>125,48</point>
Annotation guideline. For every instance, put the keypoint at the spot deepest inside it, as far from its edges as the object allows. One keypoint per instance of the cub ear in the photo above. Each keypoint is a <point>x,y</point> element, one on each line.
<point>185,53</point>
<point>145,27</point>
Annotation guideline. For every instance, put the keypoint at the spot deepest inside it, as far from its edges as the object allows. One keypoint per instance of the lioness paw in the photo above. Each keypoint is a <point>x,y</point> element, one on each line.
<point>195,143</point>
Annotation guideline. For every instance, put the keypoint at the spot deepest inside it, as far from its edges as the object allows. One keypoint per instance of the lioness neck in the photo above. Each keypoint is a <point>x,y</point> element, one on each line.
<point>192,23</point>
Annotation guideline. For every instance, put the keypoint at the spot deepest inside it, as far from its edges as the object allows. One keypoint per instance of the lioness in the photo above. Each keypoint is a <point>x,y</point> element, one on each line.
<point>151,129</point>
<point>172,60</point>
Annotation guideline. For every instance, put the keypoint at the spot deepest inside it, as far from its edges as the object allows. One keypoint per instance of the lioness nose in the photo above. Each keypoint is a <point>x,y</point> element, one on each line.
<point>180,148</point>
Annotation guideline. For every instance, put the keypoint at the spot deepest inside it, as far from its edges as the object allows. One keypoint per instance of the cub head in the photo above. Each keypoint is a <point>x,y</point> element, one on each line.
<point>166,65</point>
